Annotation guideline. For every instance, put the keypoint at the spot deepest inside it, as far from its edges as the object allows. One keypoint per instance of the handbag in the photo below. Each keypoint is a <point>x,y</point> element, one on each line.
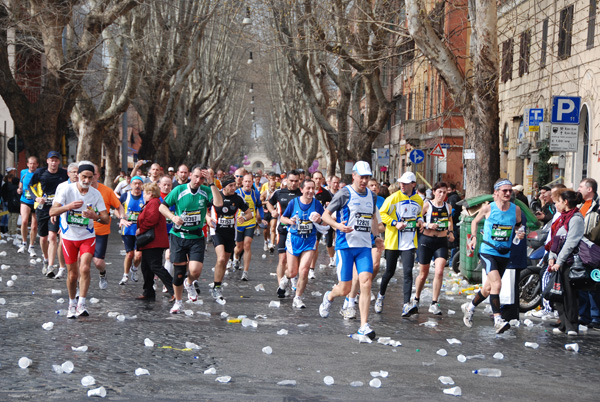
<point>554,290</point>
<point>143,239</point>
<point>580,275</point>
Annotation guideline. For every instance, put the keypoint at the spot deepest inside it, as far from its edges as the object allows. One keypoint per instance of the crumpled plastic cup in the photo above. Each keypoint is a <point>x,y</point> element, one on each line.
<point>223,379</point>
<point>282,332</point>
<point>573,347</point>
<point>498,356</point>
<point>141,371</point>
<point>291,383</point>
<point>25,362</point>
<point>67,367</point>
<point>454,341</point>
<point>88,380</point>
<point>275,304</point>
<point>456,391</point>
<point>192,345</point>
<point>101,392</point>
<point>267,350</point>
<point>375,383</point>
<point>211,370</point>
<point>247,322</point>
<point>328,380</point>
<point>48,325</point>
<point>442,352</point>
<point>446,380</point>
<point>148,342</point>
<point>461,358</point>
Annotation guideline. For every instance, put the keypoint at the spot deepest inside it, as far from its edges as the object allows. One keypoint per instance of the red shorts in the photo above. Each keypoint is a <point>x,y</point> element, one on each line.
<point>73,248</point>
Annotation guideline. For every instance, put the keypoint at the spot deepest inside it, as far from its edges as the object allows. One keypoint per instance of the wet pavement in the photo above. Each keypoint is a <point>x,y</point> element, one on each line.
<point>312,349</point>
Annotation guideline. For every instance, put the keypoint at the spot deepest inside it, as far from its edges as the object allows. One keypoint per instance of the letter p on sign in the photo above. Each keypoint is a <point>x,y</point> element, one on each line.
<point>565,109</point>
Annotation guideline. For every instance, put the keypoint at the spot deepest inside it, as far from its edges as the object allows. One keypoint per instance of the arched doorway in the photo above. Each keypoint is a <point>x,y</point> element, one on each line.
<point>258,165</point>
<point>582,157</point>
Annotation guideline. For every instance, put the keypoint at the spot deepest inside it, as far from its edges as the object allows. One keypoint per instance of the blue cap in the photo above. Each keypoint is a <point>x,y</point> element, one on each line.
<point>137,178</point>
<point>53,154</point>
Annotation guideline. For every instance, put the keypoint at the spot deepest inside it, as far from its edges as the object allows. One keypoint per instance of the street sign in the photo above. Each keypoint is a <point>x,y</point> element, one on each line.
<point>416,156</point>
<point>533,118</point>
<point>564,138</point>
<point>11,144</point>
<point>438,151</point>
<point>469,154</point>
<point>565,109</point>
<point>445,145</point>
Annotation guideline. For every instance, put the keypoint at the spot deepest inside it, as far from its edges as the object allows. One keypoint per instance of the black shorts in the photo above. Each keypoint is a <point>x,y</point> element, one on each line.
<point>493,263</point>
<point>184,250</point>
<point>281,239</point>
<point>228,241</point>
<point>129,242</point>
<point>44,224</point>
<point>330,236</point>
<point>240,235</point>
<point>267,217</point>
<point>27,205</point>
<point>431,247</point>
<point>101,243</point>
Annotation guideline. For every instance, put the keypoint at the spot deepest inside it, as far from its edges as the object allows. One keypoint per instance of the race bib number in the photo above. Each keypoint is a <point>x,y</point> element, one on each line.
<point>50,197</point>
<point>442,224</point>
<point>133,216</point>
<point>363,222</point>
<point>226,221</point>
<point>411,225</point>
<point>305,228</point>
<point>501,232</point>
<point>192,218</point>
<point>28,195</point>
<point>75,218</point>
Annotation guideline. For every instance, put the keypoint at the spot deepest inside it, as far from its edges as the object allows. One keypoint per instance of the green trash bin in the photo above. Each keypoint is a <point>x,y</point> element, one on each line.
<point>468,265</point>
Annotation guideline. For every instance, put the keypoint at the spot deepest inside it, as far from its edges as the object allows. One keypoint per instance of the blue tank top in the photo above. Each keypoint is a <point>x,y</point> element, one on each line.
<point>27,197</point>
<point>304,227</point>
<point>133,206</point>
<point>358,214</point>
<point>497,230</point>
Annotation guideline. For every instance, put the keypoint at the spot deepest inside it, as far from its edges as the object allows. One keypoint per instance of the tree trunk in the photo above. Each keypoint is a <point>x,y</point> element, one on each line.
<point>113,159</point>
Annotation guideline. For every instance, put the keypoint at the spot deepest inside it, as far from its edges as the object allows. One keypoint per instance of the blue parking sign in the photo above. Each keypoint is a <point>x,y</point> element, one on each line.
<point>565,109</point>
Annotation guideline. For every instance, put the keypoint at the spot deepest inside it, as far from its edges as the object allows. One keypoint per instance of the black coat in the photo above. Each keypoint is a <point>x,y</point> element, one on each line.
<point>10,196</point>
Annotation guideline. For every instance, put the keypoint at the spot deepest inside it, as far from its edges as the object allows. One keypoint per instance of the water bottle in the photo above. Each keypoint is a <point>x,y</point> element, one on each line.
<point>516,240</point>
<point>41,205</point>
<point>488,372</point>
<point>297,219</point>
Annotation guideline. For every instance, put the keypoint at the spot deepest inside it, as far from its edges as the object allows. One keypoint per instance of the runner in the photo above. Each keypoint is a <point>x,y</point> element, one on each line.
<point>123,186</point>
<point>355,206</point>
<point>221,221</point>
<point>187,241</point>
<point>239,176</point>
<point>103,230</point>
<point>324,197</point>
<point>48,179</point>
<point>79,205</point>
<point>301,214</point>
<point>433,243</point>
<point>333,187</point>
<point>266,192</point>
<point>27,201</point>
<point>401,213</point>
<point>132,202</point>
<point>245,229</point>
<point>277,205</point>
<point>501,218</point>
<point>154,173</point>
<point>72,172</point>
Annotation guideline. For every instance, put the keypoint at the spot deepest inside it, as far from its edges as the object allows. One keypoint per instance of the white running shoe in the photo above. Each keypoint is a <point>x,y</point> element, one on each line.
<point>21,249</point>
<point>325,306</point>
<point>435,309</point>
<point>134,273</point>
<point>124,279</point>
<point>332,261</point>
<point>102,282</point>
<point>72,312</point>
<point>245,276</point>
<point>191,290</point>
<point>283,283</point>
<point>32,252</point>
<point>50,272</point>
<point>311,274</point>
<point>367,331</point>
<point>294,283</point>
<point>501,325</point>
<point>82,310</point>
<point>349,313</point>
<point>177,307</point>
<point>468,314</point>
<point>61,273</point>
<point>298,303</point>
<point>266,247</point>
<point>379,304</point>
<point>217,294</point>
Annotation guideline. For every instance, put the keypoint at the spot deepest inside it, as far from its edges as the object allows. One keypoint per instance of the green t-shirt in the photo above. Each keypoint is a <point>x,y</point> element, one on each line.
<point>191,207</point>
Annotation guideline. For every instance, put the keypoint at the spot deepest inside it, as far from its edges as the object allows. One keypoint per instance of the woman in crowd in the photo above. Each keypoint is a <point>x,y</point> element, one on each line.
<point>151,218</point>
<point>566,233</point>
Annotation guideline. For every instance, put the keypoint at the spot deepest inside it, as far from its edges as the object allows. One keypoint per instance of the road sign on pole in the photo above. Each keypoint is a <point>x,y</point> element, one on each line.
<point>565,109</point>
<point>438,151</point>
<point>416,156</point>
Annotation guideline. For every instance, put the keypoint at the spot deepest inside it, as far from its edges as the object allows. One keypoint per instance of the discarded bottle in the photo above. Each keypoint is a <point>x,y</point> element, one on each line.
<point>516,240</point>
<point>488,372</point>
<point>101,392</point>
<point>456,391</point>
<point>328,380</point>
<point>476,357</point>
<point>360,338</point>
<point>141,371</point>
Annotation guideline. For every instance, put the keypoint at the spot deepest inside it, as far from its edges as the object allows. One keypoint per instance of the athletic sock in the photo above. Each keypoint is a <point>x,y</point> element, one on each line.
<point>217,284</point>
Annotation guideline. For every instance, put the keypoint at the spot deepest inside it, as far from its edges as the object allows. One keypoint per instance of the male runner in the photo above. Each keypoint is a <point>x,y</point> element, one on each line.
<point>182,176</point>
<point>132,202</point>
<point>355,206</point>
<point>79,205</point>
<point>187,241</point>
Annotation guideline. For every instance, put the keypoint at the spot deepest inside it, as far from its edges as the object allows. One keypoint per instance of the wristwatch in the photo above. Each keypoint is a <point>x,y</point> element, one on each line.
<point>394,222</point>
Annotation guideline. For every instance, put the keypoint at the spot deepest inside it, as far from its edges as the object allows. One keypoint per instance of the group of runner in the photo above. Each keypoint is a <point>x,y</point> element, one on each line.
<point>295,210</point>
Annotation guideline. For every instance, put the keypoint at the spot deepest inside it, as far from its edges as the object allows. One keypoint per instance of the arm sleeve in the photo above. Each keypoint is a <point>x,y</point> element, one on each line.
<point>574,235</point>
<point>150,218</point>
<point>123,198</point>
<point>339,200</point>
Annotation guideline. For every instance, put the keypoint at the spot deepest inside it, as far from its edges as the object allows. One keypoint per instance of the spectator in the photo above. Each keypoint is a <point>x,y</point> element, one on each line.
<point>10,198</point>
<point>518,190</point>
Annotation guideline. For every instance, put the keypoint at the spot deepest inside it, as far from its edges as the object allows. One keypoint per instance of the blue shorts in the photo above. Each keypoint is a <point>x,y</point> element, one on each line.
<point>347,257</point>
<point>101,243</point>
<point>296,245</point>
<point>129,242</point>
<point>243,232</point>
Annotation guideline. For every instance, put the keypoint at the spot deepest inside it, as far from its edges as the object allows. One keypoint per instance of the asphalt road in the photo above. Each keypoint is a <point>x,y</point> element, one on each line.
<point>312,349</point>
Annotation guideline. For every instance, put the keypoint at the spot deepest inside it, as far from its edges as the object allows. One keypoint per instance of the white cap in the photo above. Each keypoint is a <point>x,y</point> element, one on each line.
<point>519,188</point>
<point>407,178</point>
<point>362,168</point>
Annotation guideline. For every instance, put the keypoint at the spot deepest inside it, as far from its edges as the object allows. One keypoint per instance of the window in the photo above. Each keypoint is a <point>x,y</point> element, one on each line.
<point>591,24</point>
<point>409,106</point>
<point>507,59</point>
<point>432,86</point>
<point>400,109</point>
<point>544,44</point>
<point>524,53</point>
<point>425,96</point>
<point>565,32</point>
<point>439,93</point>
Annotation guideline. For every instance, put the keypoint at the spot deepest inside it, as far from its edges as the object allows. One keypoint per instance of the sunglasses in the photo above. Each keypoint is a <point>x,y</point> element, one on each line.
<point>238,175</point>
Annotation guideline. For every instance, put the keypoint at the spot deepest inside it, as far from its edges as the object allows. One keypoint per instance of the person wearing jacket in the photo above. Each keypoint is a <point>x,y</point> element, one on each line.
<point>11,198</point>
<point>566,234</point>
<point>151,264</point>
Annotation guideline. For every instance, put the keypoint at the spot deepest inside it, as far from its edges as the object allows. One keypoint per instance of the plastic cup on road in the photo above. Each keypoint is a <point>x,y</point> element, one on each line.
<point>11,315</point>
<point>375,383</point>
<point>88,380</point>
<point>141,371</point>
<point>24,362</point>
<point>68,366</point>
<point>57,368</point>
<point>101,392</point>
<point>10,283</point>
<point>267,350</point>
<point>456,391</point>
<point>328,380</point>
<point>573,347</point>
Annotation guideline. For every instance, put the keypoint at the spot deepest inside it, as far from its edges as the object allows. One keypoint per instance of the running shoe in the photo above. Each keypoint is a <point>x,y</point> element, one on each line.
<point>229,263</point>
<point>245,276</point>
<point>294,283</point>
<point>32,252</point>
<point>414,307</point>
<point>82,310</point>
<point>165,289</point>
<point>217,294</point>
<point>50,272</point>
<point>298,303</point>
<point>236,264</point>
<point>197,287</point>
<point>283,283</point>
<point>379,304</point>
<point>332,261</point>
<point>435,309</point>
<point>367,331</point>
<point>61,273</point>
<point>21,249</point>
<point>134,273</point>
<point>102,282</point>
<point>372,296</point>
<point>349,313</point>
<point>572,333</point>
<point>266,246</point>
<point>271,248</point>
<point>191,290</point>
<point>124,279</point>
<point>44,266</point>
<point>501,325</point>
<point>543,314</point>
<point>311,274</point>
<point>325,306</point>
<point>177,306</point>
<point>72,313</point>
<point>468,314</point>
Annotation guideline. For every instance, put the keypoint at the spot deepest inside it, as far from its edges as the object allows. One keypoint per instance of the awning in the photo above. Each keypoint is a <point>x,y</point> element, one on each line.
<point>553,160</point>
